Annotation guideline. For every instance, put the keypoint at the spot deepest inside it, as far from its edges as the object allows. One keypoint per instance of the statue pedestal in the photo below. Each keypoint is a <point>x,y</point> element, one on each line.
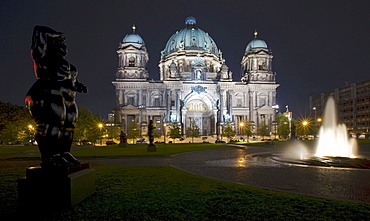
<point>151,148</point>
<point>123,144</point>
<point>45,190</point>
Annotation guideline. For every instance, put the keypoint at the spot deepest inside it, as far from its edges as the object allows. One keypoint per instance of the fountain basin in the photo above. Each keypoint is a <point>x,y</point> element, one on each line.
<point>340,162</point>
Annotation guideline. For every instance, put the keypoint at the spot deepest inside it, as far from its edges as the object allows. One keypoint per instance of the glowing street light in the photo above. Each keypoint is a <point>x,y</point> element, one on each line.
<point>100,126</point>
<point>241,125</point>
<point>164,130</point>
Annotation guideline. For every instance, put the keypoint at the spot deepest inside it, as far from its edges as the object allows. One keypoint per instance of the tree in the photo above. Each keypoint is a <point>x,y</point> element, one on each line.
<point>174,130</point>
<point>113,132</point>
<point>133,131</point>
<point>228,131</point>
<point>263,129</point>
<point>87,126</point>
<point>283,129</point>
<point>16,123</point>
<point>247,129</point>
<point>193,130</point>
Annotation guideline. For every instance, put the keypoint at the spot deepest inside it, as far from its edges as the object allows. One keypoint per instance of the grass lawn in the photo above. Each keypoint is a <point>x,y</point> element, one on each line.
<point>133,150</point>
<point>166,193</point>
<point>141,150</point>
<point>4,150</point>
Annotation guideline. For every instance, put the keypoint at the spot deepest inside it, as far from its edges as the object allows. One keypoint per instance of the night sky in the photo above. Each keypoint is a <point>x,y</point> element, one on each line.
<point>317,45</point>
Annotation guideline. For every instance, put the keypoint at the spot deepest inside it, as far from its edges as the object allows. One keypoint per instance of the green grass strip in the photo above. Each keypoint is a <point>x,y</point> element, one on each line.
<point>134,150</point>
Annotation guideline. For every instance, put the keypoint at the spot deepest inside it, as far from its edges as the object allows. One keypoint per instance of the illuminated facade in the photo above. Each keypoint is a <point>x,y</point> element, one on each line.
<point>353,103</point>
<point>195,84</point>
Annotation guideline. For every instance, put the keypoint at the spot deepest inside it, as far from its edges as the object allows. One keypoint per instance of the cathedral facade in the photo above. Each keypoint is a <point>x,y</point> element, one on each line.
<point>195,84</point>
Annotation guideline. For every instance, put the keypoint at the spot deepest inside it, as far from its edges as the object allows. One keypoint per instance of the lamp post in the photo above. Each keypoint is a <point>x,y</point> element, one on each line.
<point>164,131</point>
<point>304,124</point>
<point>100,126</point>
<point>241,125</point>
<point>319,121</point>
<point>141,107</point>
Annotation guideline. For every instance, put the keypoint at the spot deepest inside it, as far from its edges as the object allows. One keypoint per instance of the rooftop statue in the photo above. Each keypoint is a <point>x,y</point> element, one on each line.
<point>51,99</point>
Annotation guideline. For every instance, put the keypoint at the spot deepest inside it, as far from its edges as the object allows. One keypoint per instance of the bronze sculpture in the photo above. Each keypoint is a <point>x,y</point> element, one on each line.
<point>51,99</point>
<point>151,147</point>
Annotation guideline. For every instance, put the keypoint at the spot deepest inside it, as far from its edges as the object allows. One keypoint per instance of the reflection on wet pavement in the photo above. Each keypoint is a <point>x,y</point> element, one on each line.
<point>249,167</point>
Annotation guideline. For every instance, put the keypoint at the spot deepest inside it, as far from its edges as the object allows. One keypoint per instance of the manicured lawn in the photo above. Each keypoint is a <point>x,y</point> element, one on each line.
<point>133,150</point>
<point>165,193</point>
<point>16,149</point>
<point>141,150</point>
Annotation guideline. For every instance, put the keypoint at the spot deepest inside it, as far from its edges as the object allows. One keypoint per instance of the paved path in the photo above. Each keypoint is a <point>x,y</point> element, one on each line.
<point>232,165</point>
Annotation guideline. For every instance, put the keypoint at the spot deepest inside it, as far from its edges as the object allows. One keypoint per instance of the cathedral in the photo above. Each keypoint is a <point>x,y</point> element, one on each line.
<point>195,85</point>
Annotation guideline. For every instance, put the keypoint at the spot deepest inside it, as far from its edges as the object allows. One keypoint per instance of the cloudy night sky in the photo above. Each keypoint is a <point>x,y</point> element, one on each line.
<point>317,45</point>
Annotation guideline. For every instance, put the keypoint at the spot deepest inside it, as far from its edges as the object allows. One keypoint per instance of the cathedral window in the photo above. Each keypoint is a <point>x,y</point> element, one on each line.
<point>198,75</point>
<point>131,62</point>
<point>262,101</point>
<point>156,102</point>
<point>131,101</point>
<point>261,64</point>
<point>239,102</point>
<point>193,42</point>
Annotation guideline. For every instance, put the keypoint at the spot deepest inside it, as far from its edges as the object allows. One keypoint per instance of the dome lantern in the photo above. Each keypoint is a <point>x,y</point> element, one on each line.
<point>190,21</point>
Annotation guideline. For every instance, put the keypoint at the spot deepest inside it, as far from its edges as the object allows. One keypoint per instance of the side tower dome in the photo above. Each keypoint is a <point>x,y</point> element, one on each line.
<point>132,58</point>
<point>191,54</point>
<point>257,63</point>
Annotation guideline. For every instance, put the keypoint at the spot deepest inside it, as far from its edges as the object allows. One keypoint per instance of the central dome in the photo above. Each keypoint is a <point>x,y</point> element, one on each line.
<point>190,38</point>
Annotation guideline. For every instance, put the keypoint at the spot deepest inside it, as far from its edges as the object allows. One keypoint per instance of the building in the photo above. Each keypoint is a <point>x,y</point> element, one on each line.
<point>195,84</point>
<point>353,105</point>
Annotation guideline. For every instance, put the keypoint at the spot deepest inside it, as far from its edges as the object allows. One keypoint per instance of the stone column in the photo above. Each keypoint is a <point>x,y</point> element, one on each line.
<point>177,103</point>
<point>168,105</point>
<point>230,104</point>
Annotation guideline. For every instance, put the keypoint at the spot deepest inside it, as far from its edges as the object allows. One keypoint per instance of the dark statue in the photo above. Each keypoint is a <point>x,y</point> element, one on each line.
<point>151,132</point>
<point>51,99</point>
<point>123,139</point>
<point>151,146</point>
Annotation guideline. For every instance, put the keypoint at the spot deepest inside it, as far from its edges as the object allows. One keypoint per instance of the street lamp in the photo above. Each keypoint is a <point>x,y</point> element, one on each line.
<point>164,130</point>
<point>319,120</point>
<point>141,107</point>
<point>100,126</point>
<point>241,125</point>
<point>304,124</point>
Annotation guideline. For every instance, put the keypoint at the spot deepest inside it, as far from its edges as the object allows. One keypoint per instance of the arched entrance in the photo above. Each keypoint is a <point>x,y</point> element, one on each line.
<point>199,110</point>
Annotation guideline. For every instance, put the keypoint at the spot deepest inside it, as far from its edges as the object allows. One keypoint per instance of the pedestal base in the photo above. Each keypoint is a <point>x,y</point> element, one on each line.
<point>123,144</point>
<point>47,190</point>
<point>152,148</point>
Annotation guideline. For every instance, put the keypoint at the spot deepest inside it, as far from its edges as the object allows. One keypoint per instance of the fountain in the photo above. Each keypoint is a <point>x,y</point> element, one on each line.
<point>334,148</point>
<point>333,137</point>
